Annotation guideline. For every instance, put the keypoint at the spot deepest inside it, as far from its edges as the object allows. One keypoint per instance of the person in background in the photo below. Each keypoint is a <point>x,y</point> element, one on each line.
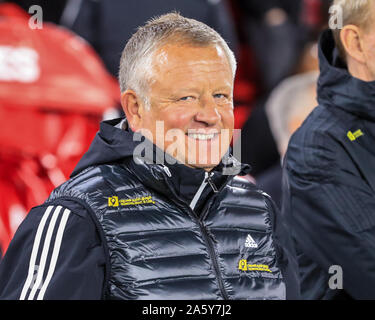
<point>274,36</point>
<point>288,106</point>
<point>281,34</point>
<point>99,21</point>
<point>329,176</point>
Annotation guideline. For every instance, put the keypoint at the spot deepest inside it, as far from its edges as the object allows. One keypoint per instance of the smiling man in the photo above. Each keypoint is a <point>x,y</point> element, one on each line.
<point>155,209</point>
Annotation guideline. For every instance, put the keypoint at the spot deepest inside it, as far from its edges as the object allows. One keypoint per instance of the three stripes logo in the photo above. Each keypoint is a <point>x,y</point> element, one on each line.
<point>250,242</point>
<point>45,252</point>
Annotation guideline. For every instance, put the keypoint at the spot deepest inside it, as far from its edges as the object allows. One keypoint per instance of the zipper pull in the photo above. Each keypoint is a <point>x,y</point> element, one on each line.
<point>167,171</point>
<point>211,183</point>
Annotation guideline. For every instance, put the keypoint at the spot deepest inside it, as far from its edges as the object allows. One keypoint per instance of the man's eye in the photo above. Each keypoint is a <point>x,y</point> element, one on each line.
<point>220,96</point>
<point>186,98</point>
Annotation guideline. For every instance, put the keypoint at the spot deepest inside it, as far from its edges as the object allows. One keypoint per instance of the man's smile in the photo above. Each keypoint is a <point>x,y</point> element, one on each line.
<point>202,136</point>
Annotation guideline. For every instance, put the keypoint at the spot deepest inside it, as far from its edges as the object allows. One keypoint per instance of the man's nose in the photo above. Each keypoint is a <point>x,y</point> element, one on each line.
<point>208,112</point>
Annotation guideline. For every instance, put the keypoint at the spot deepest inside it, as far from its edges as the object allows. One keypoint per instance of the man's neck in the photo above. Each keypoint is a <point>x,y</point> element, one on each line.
<point>360,71</point>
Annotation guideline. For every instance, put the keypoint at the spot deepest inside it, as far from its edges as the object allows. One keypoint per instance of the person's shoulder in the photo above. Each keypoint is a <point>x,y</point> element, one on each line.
<point>71,217</point>
<point>57,236</point>
<point>320,125</point>
<point>95,182</point>
<point>315,144</point>
<point>78,181</point>
<point>72,208</point>
<point>255,197</point>
<point>245,184</point>
<point>50,219</point>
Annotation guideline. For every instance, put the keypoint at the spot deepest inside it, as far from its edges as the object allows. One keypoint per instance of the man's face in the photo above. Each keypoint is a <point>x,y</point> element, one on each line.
<point>191,93</point>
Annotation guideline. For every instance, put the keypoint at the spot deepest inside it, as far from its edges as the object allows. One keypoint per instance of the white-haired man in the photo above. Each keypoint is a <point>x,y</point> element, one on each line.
<point>160,213</point>
<point>329,194</point>
<point>287,107</point>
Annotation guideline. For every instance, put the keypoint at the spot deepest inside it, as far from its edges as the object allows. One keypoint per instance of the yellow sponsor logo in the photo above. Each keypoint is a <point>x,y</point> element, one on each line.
<point>113,201</point>
<point>244,266</point>
<point>354,135</point>
<point>116,202</point>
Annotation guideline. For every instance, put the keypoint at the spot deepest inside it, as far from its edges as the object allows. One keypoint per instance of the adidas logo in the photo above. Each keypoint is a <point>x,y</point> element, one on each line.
<point>250,243</point>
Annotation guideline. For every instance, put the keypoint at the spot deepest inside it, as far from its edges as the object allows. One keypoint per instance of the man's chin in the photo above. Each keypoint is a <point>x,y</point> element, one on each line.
<point>206,167</point>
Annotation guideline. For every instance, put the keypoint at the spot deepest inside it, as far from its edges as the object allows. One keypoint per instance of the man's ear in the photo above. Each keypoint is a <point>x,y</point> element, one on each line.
<point>131,105</point>
<point>351,38</point>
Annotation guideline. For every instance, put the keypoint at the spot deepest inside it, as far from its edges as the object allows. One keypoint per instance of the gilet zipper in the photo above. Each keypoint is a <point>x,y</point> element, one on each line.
<point>199,192</point>
<point>202,227</point>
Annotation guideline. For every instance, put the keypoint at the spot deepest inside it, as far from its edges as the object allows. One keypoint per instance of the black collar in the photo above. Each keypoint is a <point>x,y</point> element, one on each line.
<point>338,88</point>
<point>180,180</point>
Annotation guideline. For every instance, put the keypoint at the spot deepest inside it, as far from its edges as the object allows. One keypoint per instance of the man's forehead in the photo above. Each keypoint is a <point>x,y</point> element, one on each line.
<point>174,54</point>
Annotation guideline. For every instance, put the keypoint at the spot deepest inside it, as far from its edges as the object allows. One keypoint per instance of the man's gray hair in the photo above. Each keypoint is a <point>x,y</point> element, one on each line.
<point>136,61</point>
<point>356,12</point>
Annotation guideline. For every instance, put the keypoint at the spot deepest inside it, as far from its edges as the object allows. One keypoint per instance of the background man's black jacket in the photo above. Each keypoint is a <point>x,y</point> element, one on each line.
<point>329,194</point>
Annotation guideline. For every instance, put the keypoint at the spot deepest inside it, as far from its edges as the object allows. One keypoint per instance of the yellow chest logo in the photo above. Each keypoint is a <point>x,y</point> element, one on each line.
<point>116,202</point>
<point>355,135</point>
<point>244,266</point>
